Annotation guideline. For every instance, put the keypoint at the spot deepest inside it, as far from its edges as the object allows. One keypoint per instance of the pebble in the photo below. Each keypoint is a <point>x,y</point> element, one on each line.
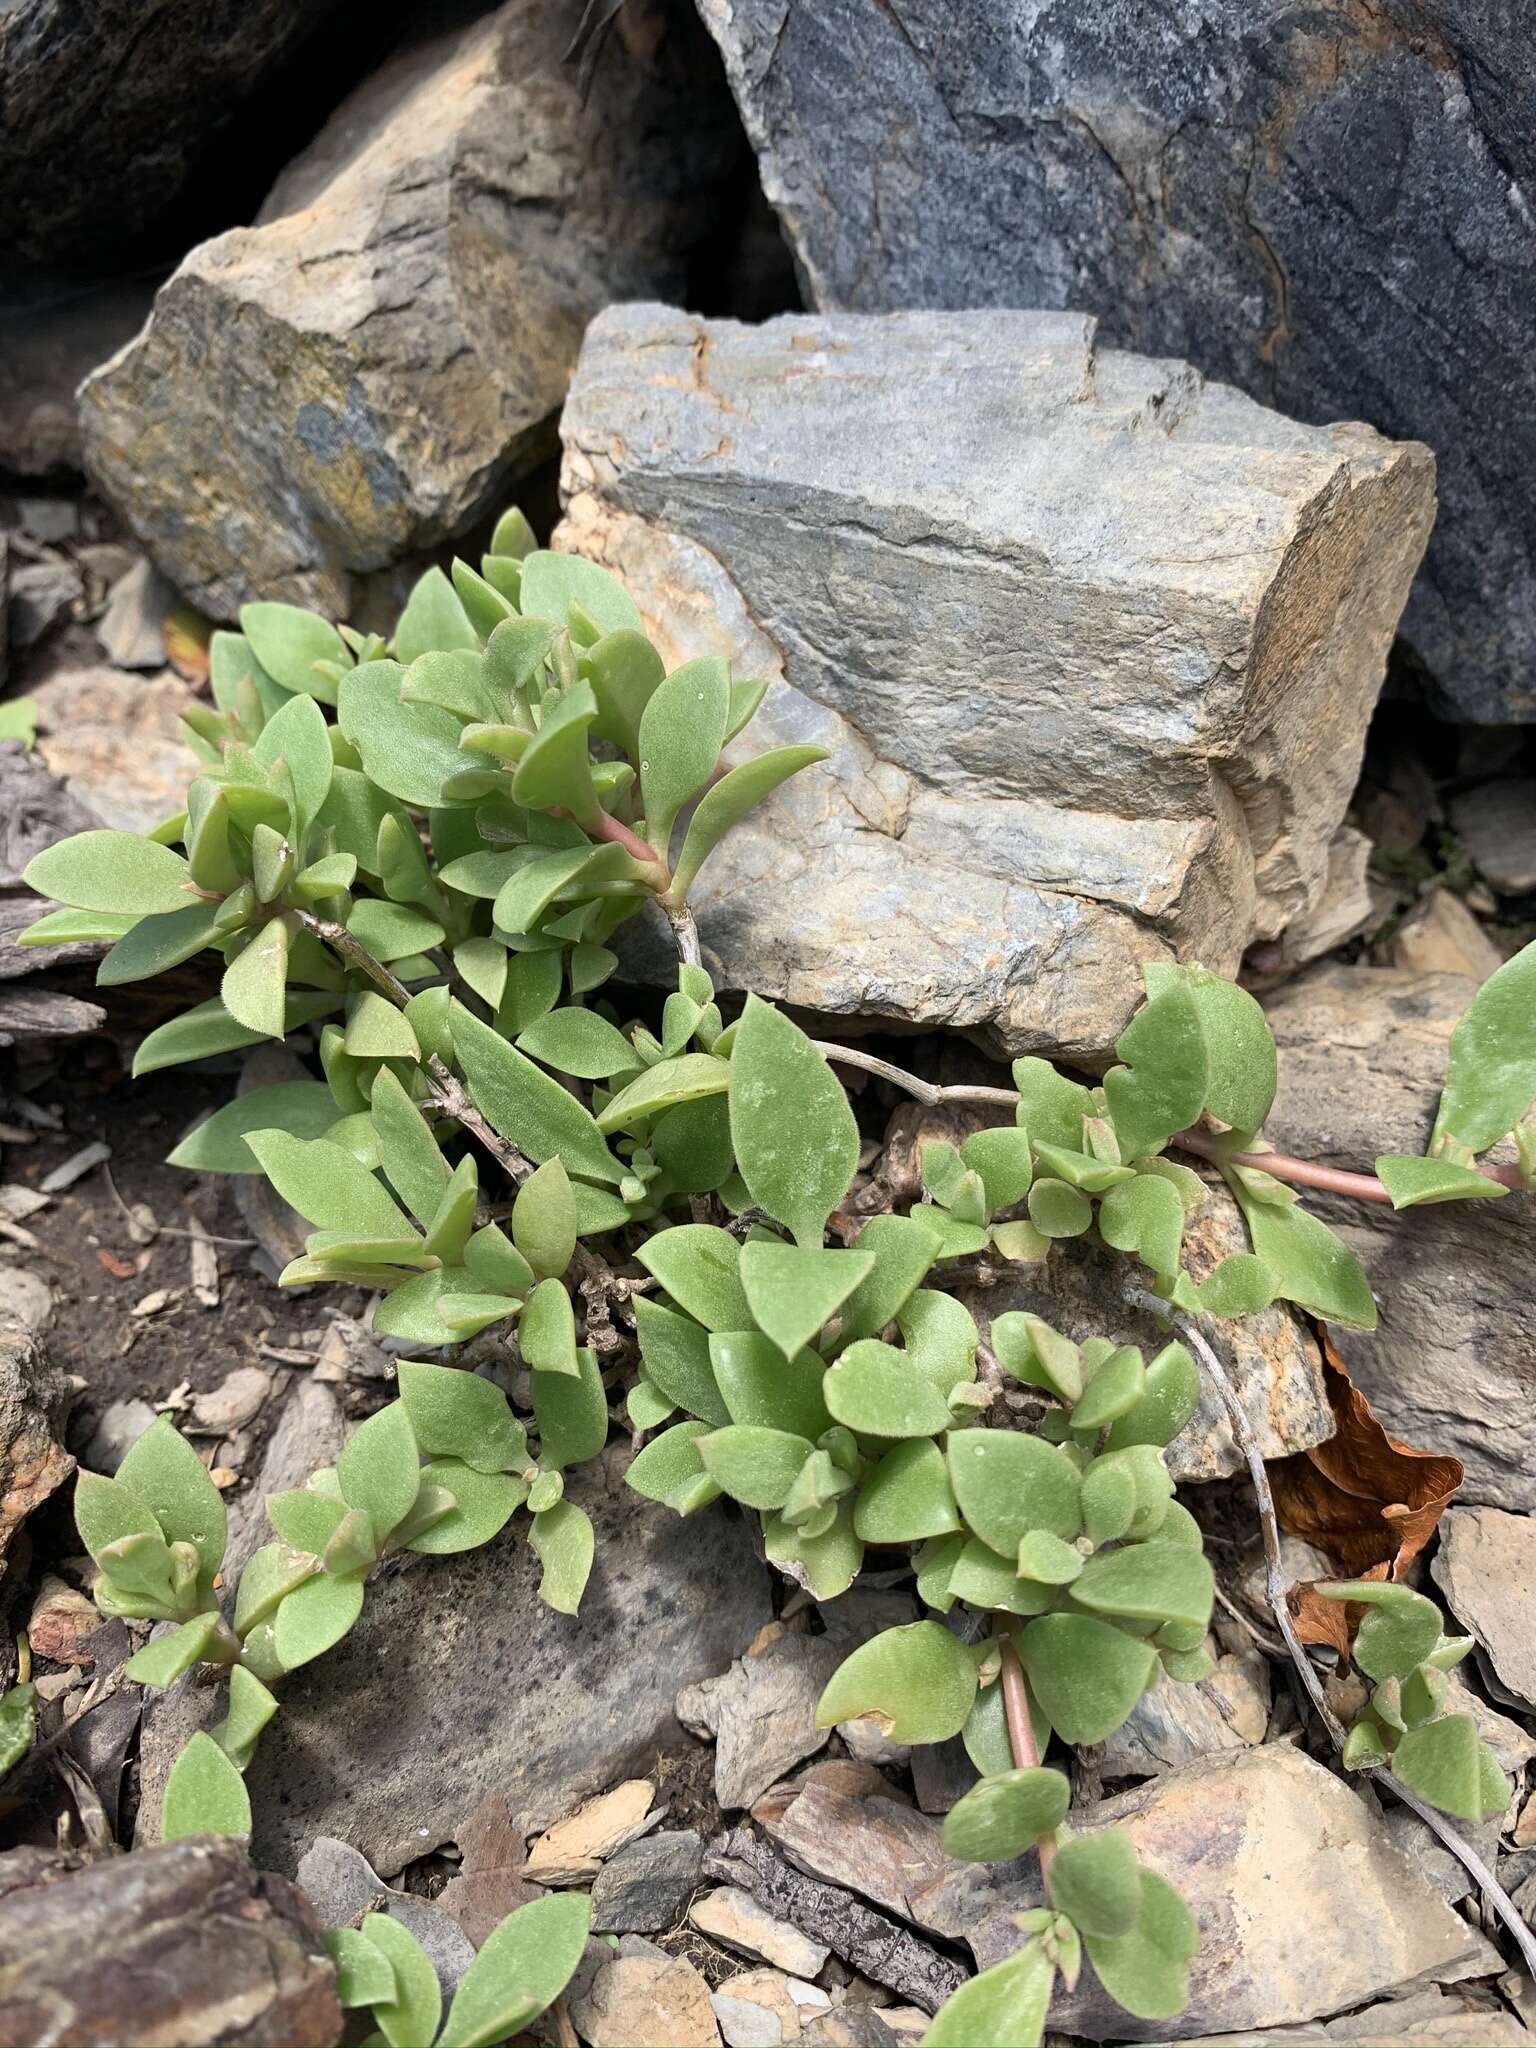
<point>734,1917</point>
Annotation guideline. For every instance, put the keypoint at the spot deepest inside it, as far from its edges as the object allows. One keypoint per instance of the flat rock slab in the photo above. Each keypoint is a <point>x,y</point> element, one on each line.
<point>762,1712</point>
<point>1305,1904</point>
<point>342,379</point>
<point>1451,1366</point>
<point>457,1681</point>
<point>1486,1568</point>
<point>1283,194</point>
<point>1070,622</point>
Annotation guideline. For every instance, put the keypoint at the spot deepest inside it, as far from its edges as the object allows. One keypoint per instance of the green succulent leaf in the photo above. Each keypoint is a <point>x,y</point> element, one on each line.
<point>164,1471</point>
<point>1311,1266</point>
<point>314,1617</point>
<point>877,1391</point>
<point>1446,1763</point>
<point>544,1219</point>
<point>1006,2005</point>
<point>364,1975</point>
<point>670,1469</point>
<point>796,1141</point>
<point>699,1266</point>
<point>1162,1087</point>
<point>379,1470</point>
<point>1144,1216</point>
<point>1413,1182</point>
<point>919,1682</point>
<point>288,642</point>
<point>571,1414</point>
<point>1007,1484</point>
<point>156,944</point>
<point>111,871</point>
<point>162,1661</point>
<point>1004,1816</point>
<point>521,1102</point>
<point>1114,1390</point>
<point>1490,1079</point>
<point>410,2018</point>
<point>1147,1970</point>
<point>674,1351</point>
<point>410,751</point>
<point>762,1388</point>
<point>1169,1398</point>
<point>754,1465</point>
<point>521,1969</point>
<point>904,1249</point>
<point>456,1414</point>
<point>1239,1046</point>
<point>907,1496</point>
<point>1086,1674</point>
<point>579,1042</point>
<point>561,1539</point>
<point>729,801</point>
<point>682,730</point>
<point>690,1078</point>
<point>18,1725</point>
<point>204,1794</point>
<point>251,1707</point>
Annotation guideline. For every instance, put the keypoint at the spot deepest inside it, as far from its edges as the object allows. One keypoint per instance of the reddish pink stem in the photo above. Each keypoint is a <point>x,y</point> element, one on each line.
<point>1305,1173</point>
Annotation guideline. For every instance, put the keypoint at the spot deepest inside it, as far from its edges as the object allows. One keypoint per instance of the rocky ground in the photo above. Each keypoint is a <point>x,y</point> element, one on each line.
<point>1113,662</point>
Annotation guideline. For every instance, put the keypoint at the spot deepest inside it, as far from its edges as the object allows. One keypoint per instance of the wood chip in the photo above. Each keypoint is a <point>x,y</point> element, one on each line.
<point>75,1168</point>
<point>18,1202</point>
<point>153,1304</point>
<point>205,1266</point>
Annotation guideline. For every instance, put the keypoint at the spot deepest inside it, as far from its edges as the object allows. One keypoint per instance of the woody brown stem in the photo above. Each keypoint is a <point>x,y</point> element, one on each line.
<point>1021,1738</point>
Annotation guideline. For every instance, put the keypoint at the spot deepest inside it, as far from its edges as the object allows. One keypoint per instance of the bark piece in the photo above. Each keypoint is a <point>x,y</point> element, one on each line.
<point>186,1944</point>
<point>35,1400</point>
<point>875,1945</point>
<point>1152,628</point>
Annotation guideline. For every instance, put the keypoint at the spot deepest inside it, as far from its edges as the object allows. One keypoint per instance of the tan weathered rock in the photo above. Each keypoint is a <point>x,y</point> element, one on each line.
<point>1240,1835</point>
<point>1344,908</point>
<point>1486,1568</point>
<point>1435,2018</point>
<point>764,2008</point>
<point>117,744</point>
<point>575,1848</point>
<point>1273,1358</point>
<point>734,1917</point>
<point>1452,1364</point>
<point>1497,823</point>
<point>35,1399</point>
<point>1441,936</point>
<point>1074,670</point>
<point>357,376</point>
<point>644,2002</point>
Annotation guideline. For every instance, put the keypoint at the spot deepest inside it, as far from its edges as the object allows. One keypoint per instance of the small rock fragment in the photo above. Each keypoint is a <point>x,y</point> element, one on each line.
<point>762,1713</point>
<point>647,1884</point>
<point>118,1429</point>
<point>734,1917</point>
<point>34,1405</point>
<point>237,1400</point>
<point>132,628</point>
<point>490,1883</point>
<point>341,1883</point>
<point>448,1948</point>
<point>41,594</point>
<point>640,2002</point>
<point>575,1848</point>
<point>1486,1567</point>
<point>1441,936</point>
<point>866,1740</point>
<point>60,1622</point>
<point>1497,823</point>
<point>1344,910</point>
<point>1173,1723</point>
<point>764,2008</point>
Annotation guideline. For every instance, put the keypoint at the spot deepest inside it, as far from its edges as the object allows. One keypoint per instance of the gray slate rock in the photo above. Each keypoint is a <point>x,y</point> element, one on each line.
<point>1486,1568</point>
<point>1451,1364</point>
<point>1289,197</point>
<point>1069,622</point>
<point>1497,823</point>
<point>360,374</point>
<point>457,1681</point>
<point>132,627</point>
<point>648,1884</point>
<point>762,1713</point>
<point>107,111</point>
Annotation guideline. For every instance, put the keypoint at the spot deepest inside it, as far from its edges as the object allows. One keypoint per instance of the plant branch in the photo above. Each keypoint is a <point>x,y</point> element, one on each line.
<point>685,932</point>
<point>1303,1173</point>
<point>1021,1736</point>
<point>928,1092</point>
<point>1278,1590</point>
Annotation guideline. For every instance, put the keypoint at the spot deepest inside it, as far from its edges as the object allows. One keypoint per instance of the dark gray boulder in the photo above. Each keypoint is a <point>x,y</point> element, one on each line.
<point>1326,204</point>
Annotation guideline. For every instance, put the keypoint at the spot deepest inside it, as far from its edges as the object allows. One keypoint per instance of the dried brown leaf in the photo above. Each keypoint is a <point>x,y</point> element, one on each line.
<point>1370,1501</point>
